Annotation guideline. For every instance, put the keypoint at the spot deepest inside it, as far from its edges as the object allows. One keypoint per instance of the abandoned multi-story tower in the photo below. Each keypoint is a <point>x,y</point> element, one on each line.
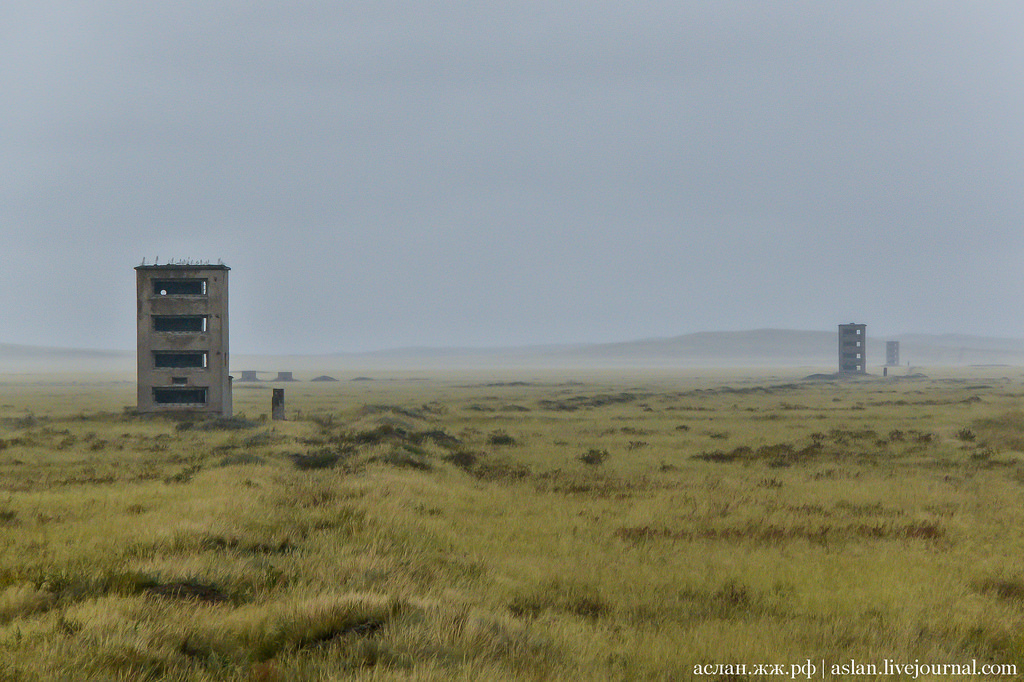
<point>892,353</point>
<point>853,348</point>
<point>183,338</point>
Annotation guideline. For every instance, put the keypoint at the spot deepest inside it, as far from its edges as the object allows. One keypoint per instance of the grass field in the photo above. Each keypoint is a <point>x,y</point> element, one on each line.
<point>528,525</point>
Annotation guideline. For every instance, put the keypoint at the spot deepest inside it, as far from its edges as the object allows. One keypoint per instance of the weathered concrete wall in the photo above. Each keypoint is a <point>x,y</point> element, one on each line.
<point>277,405</point>
<point>853,346</point>
<point>186,368</point>
<point>892,353</point>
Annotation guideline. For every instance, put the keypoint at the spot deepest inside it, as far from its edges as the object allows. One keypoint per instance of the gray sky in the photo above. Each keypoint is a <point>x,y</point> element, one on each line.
<point>382,174</point>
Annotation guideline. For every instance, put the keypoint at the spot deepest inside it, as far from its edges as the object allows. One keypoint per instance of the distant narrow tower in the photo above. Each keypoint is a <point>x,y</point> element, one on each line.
<point>853,348</point>
<point>892,353</point>
<point>183,339</point>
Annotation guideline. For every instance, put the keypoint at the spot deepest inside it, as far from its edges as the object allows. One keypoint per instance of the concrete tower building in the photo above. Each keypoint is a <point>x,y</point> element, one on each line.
<point>853,348</point>
<point>183,339</point>
<point>892,353</point>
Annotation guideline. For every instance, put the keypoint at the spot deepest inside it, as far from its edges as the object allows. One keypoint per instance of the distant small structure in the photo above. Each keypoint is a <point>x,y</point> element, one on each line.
<point>284,376</point>
<point>277,405</point>
<point>892,353</point>
<point>249,375</point>
<point>853,348</point>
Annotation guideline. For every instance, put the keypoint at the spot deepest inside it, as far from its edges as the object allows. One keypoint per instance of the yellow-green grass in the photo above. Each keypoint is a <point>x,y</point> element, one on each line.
<point>530,525</point>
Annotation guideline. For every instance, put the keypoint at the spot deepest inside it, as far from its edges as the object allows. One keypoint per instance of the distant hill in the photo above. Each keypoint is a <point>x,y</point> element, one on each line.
<point>22,358</point>
<point>792,347</point>
<point>758,347</point>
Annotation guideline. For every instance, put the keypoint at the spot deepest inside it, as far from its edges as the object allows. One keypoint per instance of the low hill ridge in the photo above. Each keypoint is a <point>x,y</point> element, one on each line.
<point>755,347</point>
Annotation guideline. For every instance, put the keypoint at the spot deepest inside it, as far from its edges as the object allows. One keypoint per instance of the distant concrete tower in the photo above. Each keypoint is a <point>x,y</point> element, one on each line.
<point>183,339</point>
<point>853,348</point>
<point>892,353</point>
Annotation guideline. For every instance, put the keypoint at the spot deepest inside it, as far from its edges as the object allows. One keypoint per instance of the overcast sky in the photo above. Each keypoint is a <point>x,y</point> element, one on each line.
<point>381,174</point>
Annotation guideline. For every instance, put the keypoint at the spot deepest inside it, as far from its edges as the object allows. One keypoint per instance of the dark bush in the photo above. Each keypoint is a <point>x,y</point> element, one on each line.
<point>1007,589</point>
<point>501,471</point>
<point>407,458</point>
<point>500,438</point>
<point>441,438</point>
<point>380,434</point>
<point>462,459</point>
<point>593,457</point>
<point>183,476</point>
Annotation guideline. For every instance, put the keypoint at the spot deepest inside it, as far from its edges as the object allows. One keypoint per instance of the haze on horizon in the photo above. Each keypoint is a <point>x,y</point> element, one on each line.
<point>392,174</point>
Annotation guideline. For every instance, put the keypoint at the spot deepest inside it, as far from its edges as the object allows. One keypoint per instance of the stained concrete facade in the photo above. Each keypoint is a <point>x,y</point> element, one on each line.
<point>277,405</point>
<point>183,339</point>
<point>853,342</point>
<point>892,353</point>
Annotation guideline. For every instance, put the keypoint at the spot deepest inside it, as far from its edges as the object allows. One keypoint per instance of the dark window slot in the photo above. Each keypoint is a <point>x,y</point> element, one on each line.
<point>164,359</point>
<point>179,396</point>
<point>179,323</point>
<point>179,287</point>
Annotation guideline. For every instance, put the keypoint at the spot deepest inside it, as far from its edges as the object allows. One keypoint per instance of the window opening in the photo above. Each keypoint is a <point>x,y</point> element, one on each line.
<point>179,396</point>
<point>179,287</point>
<point>176,359</point>
<point>179,323</point>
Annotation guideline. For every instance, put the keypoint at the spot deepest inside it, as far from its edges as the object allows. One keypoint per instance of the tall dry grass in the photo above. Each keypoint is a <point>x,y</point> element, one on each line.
<point>549,527</point>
